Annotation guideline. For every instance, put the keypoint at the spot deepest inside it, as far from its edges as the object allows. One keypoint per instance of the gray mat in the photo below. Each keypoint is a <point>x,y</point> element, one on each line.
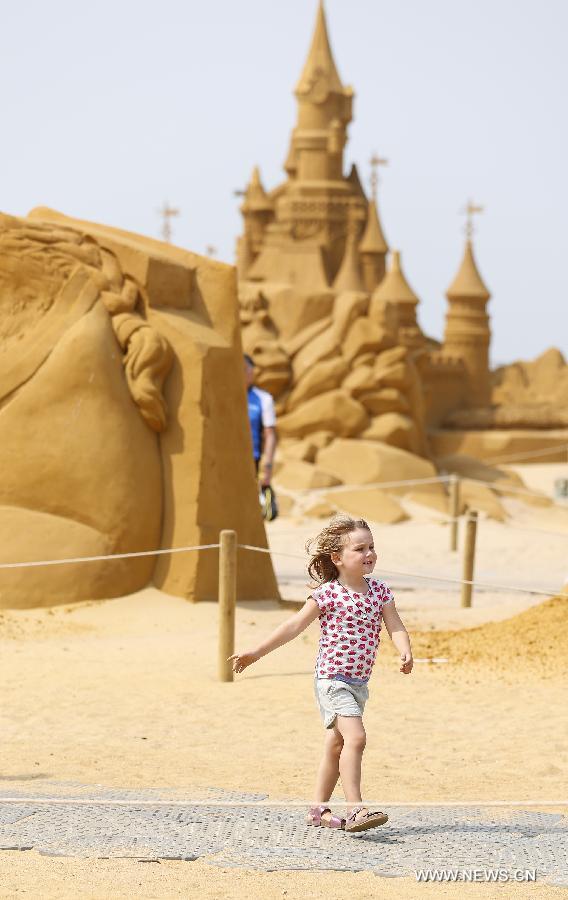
<point>276,838</point>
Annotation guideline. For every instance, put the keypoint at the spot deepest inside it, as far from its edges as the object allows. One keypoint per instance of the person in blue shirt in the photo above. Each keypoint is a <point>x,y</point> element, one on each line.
<point>262,419</point>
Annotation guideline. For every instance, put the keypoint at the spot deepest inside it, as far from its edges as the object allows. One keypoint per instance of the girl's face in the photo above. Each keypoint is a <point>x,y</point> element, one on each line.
<point>358,557</point>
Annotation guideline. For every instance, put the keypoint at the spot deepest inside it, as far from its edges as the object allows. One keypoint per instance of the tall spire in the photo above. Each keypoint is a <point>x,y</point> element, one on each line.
<point>468,283</point>
<point>373,240</point>
<point>258,211</point>
<point>349,276</point>
<point>304,238</point>
<point>319,76</point>
<point>255,197</point>
<point>373,250</point>
<point>467,333</point>
<point>355,182</point>
<point>395,288</point>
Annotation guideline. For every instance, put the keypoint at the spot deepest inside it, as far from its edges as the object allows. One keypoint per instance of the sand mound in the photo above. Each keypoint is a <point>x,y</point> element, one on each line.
<point>541,382</point>
<point>535,639</point>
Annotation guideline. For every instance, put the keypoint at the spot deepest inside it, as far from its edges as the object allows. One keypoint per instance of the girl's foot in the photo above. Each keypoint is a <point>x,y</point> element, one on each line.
<point>323,817</point>
<point>360,819</point>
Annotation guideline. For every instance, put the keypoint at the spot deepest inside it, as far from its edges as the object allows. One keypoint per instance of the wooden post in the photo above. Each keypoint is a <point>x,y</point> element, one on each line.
<point>227,601</point>
<point>454,511</point>
<point>469,557</point>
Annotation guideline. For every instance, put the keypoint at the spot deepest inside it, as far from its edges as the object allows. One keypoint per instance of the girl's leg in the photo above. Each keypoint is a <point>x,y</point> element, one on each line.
<point>328,772</point>
<point>354,739</point>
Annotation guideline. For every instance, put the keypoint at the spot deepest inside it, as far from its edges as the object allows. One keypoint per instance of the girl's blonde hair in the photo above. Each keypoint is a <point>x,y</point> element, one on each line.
<point>331,540</point>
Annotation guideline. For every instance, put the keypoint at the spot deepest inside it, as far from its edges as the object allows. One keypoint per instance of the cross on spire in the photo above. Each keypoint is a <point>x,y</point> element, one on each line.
<point>375,162</point>
<point>470,210</point>
<point>167,212</point>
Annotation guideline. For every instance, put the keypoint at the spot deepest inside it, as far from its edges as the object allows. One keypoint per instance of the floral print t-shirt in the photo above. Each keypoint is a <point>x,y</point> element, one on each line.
<point>350,625</point>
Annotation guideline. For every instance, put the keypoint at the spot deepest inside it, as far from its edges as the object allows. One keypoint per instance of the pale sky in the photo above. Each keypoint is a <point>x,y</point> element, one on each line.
<point>110,108</point>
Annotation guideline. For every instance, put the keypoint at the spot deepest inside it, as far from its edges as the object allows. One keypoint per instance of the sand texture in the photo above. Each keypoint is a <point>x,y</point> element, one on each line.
<point>124,694</point>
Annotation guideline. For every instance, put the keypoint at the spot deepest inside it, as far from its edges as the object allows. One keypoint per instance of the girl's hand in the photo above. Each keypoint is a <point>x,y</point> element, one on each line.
<point>406,663</point>
<point>242,660</point>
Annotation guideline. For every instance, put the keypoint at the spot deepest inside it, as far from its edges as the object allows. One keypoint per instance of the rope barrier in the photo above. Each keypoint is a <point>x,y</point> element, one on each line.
<point>427,577</point>
<point>439,479</point>
<point>513,489</point>
<point>476,584</point>
<point>272,552</point>
<point>390,484</point>
<point>82,559</point>
<point>339,488</point>
<point>530,454</point>
<point>251,547</point>
<point>447,520</point>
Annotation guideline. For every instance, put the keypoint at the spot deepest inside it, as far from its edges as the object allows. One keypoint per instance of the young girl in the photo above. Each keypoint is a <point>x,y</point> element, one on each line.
<point>350,605</point>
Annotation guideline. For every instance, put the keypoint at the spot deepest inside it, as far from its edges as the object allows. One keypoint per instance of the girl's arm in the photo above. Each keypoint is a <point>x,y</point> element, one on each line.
<point>399,636</point>
<point>286,632</point>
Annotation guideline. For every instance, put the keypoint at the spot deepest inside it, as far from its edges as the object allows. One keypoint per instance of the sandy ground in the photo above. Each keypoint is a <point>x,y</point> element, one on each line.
<point>51,879</point>
<point>124,694</point>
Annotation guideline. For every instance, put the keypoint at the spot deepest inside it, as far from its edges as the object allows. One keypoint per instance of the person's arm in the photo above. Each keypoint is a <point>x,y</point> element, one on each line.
<point>399,636</point>
<point>286,632</point>
<point>269,448</point>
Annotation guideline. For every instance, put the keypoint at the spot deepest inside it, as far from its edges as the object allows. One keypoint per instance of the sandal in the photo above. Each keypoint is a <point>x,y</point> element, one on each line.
<point>315,818</point>
<point>368,820</point>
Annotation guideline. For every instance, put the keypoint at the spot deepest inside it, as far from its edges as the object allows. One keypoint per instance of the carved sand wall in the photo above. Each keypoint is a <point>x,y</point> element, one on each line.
<point>122,412</point>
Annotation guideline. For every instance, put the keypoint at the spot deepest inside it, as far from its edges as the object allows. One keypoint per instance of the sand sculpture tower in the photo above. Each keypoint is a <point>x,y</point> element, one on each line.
<point>395,290</point>
<point>467,332</point>
<point>299,232</point>
<point>373,247</point>
<point>257,210</point>
<point>373,250</point>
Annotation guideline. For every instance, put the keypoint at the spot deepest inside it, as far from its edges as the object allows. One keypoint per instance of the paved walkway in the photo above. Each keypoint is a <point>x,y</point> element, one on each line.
<point>161,824</point>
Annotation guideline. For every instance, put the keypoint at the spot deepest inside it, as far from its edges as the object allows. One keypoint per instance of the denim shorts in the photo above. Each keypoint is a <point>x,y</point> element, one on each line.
<point>337,698</point>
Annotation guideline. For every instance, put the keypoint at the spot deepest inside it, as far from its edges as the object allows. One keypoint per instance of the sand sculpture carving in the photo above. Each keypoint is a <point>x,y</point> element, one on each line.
<point>123,405</point>
<point>332,324</point>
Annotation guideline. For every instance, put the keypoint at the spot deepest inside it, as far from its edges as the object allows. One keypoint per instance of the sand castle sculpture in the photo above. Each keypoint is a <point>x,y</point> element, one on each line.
<point>332,324</point>
<point>123,408</point>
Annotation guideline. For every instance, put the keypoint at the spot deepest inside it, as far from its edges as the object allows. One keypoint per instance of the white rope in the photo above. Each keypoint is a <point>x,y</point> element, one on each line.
<point>390,484</point>
<point>448,520</point>
<point>339,488</point>
<point>82,559</point>
<point>443,579</point>
<point>144,553</point>
<point>439,479</point>
<point>530,454</point>
<point>272,552</point>
<point>237,804</point>
<point>477,584</point>
<point>509,488</point>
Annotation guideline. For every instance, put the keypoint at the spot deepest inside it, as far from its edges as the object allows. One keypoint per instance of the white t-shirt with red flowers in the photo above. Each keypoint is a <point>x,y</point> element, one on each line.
<point>350,625</point>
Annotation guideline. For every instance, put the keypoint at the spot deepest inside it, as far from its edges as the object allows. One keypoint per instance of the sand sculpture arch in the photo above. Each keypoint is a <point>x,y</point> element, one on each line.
<point>37,267</point>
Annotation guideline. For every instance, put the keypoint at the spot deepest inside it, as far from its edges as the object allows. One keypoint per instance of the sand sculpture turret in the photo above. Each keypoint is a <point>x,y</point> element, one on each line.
<point>333,330</point>
<point>373,250</point>
<point>467,334</point>
<point>257,210</point>
<point>395,290</point>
